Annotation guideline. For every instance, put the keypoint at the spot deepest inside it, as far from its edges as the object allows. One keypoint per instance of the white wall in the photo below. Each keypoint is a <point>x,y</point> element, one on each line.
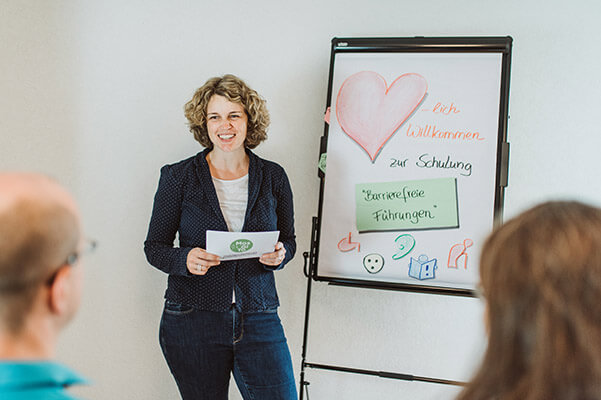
<point>92,92</point>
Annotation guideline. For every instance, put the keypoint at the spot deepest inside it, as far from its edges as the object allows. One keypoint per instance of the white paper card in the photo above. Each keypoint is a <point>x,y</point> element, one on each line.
<point>239,245</point>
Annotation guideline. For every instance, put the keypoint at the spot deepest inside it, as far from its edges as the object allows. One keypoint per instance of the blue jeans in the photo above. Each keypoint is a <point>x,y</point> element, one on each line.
<point>203,347</point>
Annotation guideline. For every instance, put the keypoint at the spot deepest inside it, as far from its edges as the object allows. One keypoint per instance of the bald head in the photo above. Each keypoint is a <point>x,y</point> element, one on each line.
<point>23,186</point>
<point>39,228</point>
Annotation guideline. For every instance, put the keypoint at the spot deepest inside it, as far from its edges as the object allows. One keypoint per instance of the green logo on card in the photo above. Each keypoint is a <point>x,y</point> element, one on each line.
<point>241,245</point>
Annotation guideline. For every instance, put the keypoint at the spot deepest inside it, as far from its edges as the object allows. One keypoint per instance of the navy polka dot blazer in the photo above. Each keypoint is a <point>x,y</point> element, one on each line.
<point>186,204</point>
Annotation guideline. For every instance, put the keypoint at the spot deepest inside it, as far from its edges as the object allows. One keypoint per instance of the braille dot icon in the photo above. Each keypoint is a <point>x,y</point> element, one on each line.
<point>373,263</point>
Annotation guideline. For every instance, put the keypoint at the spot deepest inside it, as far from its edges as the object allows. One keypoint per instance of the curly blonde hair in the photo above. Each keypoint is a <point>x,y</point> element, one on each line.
<point>235,90</point>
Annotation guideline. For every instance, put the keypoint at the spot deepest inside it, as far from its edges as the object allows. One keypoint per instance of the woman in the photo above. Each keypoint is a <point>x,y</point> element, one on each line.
<point>220,316</point>
<point>541,279</point>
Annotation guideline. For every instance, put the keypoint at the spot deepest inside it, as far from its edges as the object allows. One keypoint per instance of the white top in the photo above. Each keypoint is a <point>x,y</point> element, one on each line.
<point>233,197</point>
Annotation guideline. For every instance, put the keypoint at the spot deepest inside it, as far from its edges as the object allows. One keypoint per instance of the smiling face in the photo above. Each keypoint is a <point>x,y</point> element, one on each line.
<point>226,124</point>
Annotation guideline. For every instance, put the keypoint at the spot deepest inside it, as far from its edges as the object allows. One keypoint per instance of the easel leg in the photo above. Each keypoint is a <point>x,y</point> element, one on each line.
<point>308,272</point>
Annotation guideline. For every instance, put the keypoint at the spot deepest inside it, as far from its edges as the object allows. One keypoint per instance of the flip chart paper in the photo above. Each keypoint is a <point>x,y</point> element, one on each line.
<point>384,135</point>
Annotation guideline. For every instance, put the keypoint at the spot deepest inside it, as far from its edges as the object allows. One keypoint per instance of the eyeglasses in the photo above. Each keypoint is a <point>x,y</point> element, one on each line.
<point>88,247</point>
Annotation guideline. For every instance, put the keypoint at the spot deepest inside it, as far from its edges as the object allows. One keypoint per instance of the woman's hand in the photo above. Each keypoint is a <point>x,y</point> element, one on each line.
<point>199,261</point>
<point>274,259</point>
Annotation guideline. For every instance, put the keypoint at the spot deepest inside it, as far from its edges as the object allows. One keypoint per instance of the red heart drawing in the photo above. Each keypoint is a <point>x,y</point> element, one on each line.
<point>369,111</point>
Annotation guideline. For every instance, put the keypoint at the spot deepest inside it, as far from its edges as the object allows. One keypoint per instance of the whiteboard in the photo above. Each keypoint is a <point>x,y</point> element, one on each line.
<point>414,156</point>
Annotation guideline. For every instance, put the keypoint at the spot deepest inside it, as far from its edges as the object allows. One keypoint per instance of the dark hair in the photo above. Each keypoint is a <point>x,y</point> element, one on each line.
<point>541,278</point>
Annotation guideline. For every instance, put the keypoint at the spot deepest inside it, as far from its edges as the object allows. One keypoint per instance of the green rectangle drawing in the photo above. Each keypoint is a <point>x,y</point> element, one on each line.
<point>407,205</point>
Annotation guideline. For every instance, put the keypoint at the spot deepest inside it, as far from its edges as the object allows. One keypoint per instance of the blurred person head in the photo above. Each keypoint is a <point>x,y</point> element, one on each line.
<point>541,280</point>
<point>40,282</point>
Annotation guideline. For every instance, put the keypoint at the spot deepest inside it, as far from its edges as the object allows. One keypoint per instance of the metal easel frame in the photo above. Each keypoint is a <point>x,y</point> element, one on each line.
<point>415,44</point>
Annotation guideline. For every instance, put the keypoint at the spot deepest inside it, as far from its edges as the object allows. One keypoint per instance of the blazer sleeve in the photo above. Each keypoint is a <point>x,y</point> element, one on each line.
<point>285,214</point>
<point>164,224</point>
